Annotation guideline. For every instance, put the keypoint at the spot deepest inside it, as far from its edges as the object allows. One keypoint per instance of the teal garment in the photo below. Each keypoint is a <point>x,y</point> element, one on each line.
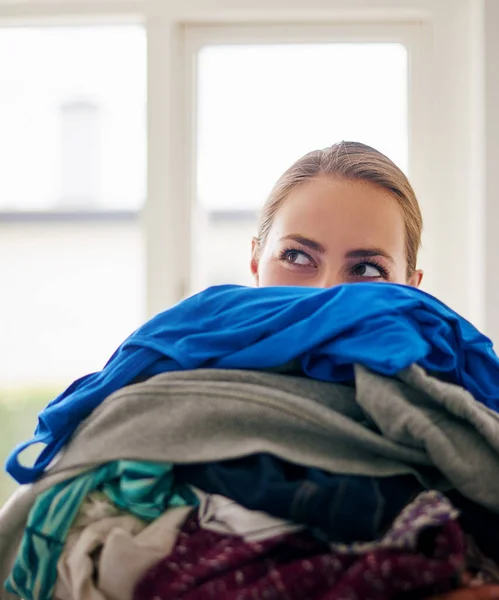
<point>144,489</point>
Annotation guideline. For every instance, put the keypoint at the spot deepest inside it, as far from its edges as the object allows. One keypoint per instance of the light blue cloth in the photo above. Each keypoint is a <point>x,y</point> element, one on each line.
<point>385,327</point>
<point>144,489</point>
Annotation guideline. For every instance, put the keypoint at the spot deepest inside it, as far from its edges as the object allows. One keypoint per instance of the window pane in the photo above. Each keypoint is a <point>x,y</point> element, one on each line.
<point>72,145</point>
<point>71,293</point>
<point>260,108</point>
<point>72,118</point>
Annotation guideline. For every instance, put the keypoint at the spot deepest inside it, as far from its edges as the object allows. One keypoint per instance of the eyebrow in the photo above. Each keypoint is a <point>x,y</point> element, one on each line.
<point>304,241</point>
<point>369,253</point>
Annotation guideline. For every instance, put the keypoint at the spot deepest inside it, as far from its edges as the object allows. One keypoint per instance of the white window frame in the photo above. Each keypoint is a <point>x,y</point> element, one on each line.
<point>450,132</point>
<point>414,36</point>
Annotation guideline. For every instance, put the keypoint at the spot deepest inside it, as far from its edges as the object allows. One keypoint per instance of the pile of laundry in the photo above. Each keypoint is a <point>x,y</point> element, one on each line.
<point>274,443</point>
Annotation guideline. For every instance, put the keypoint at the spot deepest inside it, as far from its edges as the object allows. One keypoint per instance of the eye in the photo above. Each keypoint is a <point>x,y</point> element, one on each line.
<point>297,257</point>
<point>368,270</point>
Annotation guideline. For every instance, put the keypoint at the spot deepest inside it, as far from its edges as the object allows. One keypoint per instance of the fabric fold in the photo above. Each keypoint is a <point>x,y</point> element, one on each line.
<point>143,489</point>
<point>384,327</point>
<point>211,415</point>
<point>343,508</point>
<point>416,425</point>
<point>206,565</point>
<point>222,515</point>
<point>108,557</point>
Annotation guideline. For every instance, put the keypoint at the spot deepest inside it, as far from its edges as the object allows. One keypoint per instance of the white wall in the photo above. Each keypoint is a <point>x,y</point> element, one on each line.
<point>491,166</point>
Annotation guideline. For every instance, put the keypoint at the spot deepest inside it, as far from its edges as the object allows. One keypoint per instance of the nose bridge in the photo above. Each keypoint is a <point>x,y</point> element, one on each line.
<point>330,277</point>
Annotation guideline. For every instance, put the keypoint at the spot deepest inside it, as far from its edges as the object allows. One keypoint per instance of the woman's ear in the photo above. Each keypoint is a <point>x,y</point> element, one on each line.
<point>415,279</point>
<point>255,258</point>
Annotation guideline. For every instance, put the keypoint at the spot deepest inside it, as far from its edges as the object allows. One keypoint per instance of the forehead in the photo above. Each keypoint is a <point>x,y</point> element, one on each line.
<point>336,212</point>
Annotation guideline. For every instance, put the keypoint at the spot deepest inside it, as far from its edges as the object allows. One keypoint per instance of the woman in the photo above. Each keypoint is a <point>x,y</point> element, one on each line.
<point>339,215</point>
<point>342,215</point>
<point>345,214</point>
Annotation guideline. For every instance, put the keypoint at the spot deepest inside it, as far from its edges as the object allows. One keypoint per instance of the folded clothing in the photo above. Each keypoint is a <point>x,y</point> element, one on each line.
<point>383,427</point>
<point>143,489</point>
<point>108,550</point>
<point>424,553</point>
<point>223,515</point>
<point>407,427</point>
<point>384,327</point>
<point>343,508</point>
<point>106,559</point>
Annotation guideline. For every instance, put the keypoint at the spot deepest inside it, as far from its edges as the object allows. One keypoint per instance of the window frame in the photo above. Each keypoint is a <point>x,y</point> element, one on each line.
<point>411,35</point>
<point>450,141</point>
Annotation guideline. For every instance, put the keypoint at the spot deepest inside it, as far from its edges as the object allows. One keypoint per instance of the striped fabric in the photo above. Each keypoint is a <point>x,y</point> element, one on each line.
<point>142,488</point>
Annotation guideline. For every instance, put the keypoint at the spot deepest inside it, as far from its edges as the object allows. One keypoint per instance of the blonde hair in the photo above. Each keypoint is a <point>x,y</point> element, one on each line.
<point>353,161</point>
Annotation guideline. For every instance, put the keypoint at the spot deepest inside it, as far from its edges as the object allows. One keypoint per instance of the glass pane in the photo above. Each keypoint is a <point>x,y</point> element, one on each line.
<point>71,293</point>
<point>72,118</point>
<point>72,145</point>
<point>260,108</point>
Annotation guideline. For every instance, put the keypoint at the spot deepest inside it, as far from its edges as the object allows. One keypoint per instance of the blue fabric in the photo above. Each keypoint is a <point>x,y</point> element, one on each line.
<point>385,327</point>
<point>342,508</point>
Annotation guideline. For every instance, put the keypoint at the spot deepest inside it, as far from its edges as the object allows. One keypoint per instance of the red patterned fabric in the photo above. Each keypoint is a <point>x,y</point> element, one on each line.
<point>207,566</point>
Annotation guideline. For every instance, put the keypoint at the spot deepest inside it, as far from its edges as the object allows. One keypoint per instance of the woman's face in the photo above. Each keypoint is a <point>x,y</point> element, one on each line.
<point>331,231</point>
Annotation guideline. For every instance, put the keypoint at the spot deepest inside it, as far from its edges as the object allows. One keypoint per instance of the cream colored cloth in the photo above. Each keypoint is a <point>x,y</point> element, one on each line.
<point>95,507</point>
<point>78,564</point>
<point>223,515</point>
<point>107,551</point>
<point>125,558</point>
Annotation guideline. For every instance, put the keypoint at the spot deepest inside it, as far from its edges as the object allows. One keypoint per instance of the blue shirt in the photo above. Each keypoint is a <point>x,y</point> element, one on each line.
<point>385,327</point>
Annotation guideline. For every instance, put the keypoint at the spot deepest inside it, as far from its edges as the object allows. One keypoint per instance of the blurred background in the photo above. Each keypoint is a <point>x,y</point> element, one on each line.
<point>139,138</point>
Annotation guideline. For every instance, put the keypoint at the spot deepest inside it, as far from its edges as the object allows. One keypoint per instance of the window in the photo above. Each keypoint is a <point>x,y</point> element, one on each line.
<point>72,116</point>
<point>73,152</point>
<point>262,106</point>
<point>72,141</point>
